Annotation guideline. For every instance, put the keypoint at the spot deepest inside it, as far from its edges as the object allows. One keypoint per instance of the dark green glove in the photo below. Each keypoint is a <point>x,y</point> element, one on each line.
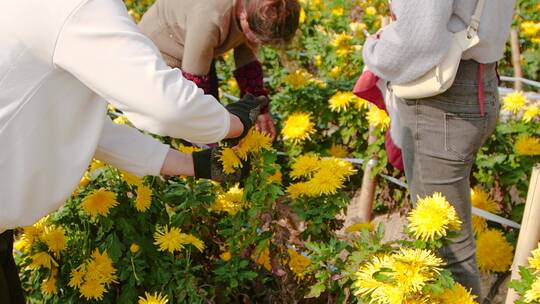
<point>207,165</point>
<point>247,109</point>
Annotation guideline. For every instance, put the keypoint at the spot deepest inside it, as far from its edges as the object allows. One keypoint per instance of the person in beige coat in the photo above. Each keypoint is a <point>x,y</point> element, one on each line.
<point>190,34</point>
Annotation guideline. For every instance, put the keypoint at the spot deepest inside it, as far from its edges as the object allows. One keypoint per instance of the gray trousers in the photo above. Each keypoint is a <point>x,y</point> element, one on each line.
<point>441,136</point>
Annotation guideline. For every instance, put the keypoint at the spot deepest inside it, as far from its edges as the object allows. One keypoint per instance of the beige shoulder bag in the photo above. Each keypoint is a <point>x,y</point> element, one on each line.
<point>440,78</point>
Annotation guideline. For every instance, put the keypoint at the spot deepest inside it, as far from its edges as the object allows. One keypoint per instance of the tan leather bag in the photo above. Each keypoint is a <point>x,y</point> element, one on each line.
<point>440,78</point>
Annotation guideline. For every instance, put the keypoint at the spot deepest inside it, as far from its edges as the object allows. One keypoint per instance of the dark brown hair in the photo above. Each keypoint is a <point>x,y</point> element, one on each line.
<point>273,21</point>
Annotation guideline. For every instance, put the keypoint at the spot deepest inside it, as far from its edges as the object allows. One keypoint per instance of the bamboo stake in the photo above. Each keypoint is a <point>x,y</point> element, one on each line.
<point>516,58</point>
<point>529,235</point>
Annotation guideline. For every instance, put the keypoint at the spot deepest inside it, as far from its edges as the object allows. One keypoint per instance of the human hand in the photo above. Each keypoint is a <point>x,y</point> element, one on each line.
<point>247,110</point>
<point>265,124</point>
<point>207,165</point>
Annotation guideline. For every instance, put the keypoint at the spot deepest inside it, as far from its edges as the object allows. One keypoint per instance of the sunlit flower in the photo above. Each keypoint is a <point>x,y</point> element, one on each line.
<point>298,262</point>
<point>378,118</point>
<point>357,26</point>
<point>92,290</point>
<point>101,268</point>
<point>528,146</point>
<point>300,189</point>
<point>99,202</point>
<point>263,259</point>
<point>76,277</point>
<point>371,11</point>
<point>530,28</point>
<point>482,200</point>
<point>302,17</point>
<point>380,292</point>
<point>534,260</point>
<point>493,251</point>
<point>341,43</point>
<point>276,177</point>
<point>254,142</point>
<point>298,127</point>
<point>121,120</point>
<point>42,259</point>
<point>169,239</point>
<point>131,179</point>
<point>144,198</point>
<point>338,11</point>
<point>414,268</point>
<point>514,102</point>
<point>359,227</point>
<point>456,295</point>
<point>335,72</point>
<point>230,161</point>
<point>339,151</point>
<point>360,103</point>
<point>432,217</point>
<point>196,242</point>
<point>304,165</point>
<point>156,298</point>
<point>134,248</point>
<point>530,113</point>
<point>231,201</point>
<point>188,149</point>
<point>225,256</point>
<point>298,79</point>
<point>48,286</point>
<point>340,101</point>
<point>55,238</point>
<point>533,294</point>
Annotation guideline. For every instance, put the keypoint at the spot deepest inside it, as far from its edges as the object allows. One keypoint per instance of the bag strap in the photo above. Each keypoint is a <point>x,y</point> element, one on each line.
<point>475,19</point>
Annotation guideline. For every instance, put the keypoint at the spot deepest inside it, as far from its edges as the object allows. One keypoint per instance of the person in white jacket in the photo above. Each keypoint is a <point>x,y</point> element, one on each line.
<point>59,61</point>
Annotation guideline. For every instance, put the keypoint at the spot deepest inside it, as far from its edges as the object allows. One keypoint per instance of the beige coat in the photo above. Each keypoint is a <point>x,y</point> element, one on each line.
<point>191,33</point>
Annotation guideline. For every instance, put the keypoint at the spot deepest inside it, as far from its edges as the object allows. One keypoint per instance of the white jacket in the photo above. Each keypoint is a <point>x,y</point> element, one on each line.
<point>59,60</point>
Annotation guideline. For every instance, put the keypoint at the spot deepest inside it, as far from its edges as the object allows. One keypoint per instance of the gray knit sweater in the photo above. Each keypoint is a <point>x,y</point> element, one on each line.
<point>420,38</point>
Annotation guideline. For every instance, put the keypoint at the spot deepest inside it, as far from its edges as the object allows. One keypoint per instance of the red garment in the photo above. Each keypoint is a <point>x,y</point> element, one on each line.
<point>366,88</point>
<point>250,80</point>
<point>203,82</point>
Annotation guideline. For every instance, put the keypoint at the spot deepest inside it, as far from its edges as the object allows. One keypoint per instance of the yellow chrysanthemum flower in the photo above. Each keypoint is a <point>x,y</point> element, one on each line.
<point>340,101</point>
<point>318,60</point>
<point>229,160</point>
<point>304,165</point>
<point>533,295</point>
<point>456,295</point>
<point>360,103</point>
<point>338,11</point>
<point>276,177</point>
<point>48,286</point>
<point>225,256</point>
<point>378,118</point>
<point>99,202</point>
<point>335,72</point>
<point>254,142</point>
<point>233,85</point>
<point>263,259</point>
<point>514,102</point>
<point>156,298</point>
<point>188,149</point>
<point>298,263</point>
<point>530,28</point>
<point>231,201</point>
<point>131,179</point>
<point>144,198</point>
<point>359,227</point>
<point>197,243</point>
<point>134,248</point>
<point>95,165</point>
<point>92,290</point>
<point>299,189</point>
<point>530,113</point>
<point>432,218</point>
<point>341,43</point>
<point>414,268</point>
<point>482,200</point>
<point>298,127</point>
<point>101,268</point>
<point>121,120</point>
<point>169,239</point>
<point>527,146</point>
<point>42,259</point>
<point>55,238</point>
<point>493,251</point>
<point>379,292</point>
<point>302,17</point>
<point>76,277</point>
<point>534,260</point>
<point>357,27</point>
<point>325,182</point>
<point>371,11</point>
<point>339,151</point>
<point>298,79</point>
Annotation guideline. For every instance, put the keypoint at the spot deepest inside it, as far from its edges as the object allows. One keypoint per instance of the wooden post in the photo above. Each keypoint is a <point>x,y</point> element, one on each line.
<point>516,59</point>
<point>529,235</point>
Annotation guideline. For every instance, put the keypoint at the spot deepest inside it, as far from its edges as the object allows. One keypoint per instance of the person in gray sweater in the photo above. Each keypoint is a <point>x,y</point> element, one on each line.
<point>441,135</point>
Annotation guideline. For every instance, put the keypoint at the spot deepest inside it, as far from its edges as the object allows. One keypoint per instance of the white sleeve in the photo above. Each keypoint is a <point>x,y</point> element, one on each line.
<point>104,49</point>
<point>128,149</point>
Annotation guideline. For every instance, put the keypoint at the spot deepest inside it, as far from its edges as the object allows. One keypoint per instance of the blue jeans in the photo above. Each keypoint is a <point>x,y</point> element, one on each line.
<point>441,136</point>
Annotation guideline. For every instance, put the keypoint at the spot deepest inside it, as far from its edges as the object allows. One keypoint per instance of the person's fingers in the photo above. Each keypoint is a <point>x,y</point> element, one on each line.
<point>272,129</point>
